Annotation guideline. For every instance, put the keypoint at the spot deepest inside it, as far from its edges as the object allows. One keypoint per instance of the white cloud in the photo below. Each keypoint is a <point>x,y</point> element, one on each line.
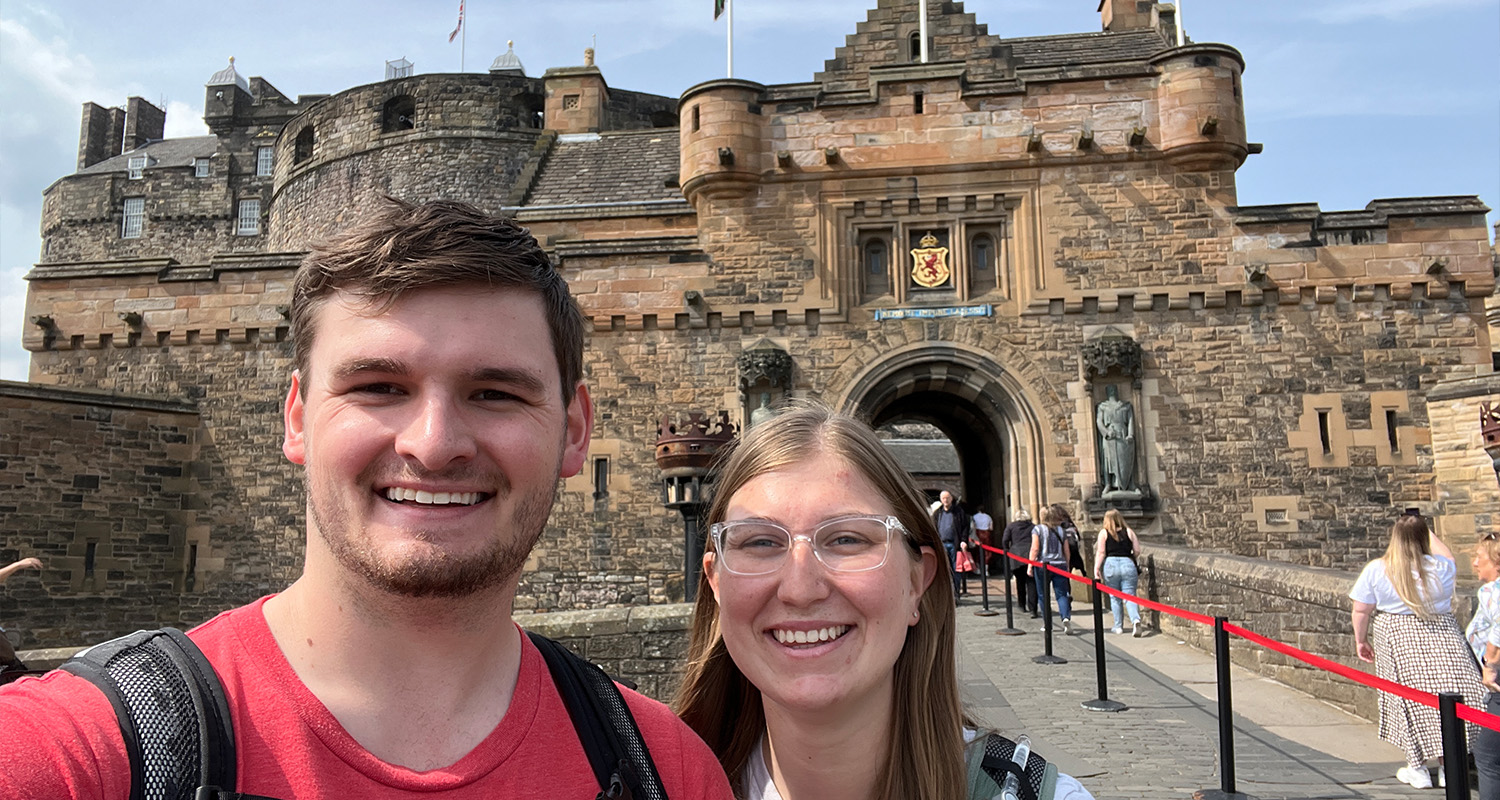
<point>184,120</point>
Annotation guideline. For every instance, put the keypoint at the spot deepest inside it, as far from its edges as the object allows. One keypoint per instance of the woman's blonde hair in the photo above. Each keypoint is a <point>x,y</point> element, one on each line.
<point>924,756</point>
<point>1114,523</point>
<point>1404,565</point>
<point>1489,545</point>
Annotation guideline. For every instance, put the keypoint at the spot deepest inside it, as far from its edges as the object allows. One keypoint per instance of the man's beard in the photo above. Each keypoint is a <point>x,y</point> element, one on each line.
<point>431,571</point>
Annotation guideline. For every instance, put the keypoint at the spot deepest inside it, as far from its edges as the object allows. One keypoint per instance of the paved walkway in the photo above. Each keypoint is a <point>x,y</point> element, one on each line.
<point>1287,743</point>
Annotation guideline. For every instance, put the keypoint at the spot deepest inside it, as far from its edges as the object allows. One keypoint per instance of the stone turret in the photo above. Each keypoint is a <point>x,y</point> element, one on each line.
<point>1201,107</point>
<point>226,97</point>
<point>723,136</point>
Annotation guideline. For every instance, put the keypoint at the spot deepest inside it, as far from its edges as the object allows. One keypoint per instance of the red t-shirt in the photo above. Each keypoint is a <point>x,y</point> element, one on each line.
<point>59,738</point>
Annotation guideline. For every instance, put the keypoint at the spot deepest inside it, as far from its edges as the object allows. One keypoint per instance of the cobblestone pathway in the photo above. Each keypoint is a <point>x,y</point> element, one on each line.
<point>1166,744</point>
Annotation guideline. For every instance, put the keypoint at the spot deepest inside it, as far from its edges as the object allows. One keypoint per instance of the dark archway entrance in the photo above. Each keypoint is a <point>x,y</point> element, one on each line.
<point>977,404</point>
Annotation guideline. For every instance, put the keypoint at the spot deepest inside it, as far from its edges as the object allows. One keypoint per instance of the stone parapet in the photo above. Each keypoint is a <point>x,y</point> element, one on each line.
<point>643,644</point>
<point>1305,607</point>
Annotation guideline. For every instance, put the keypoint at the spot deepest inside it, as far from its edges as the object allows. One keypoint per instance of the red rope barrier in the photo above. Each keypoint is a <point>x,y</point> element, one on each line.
<point>1465,712</point>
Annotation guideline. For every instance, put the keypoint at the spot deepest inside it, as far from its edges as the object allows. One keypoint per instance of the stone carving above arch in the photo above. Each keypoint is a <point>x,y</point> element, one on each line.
<point>1113,350</point>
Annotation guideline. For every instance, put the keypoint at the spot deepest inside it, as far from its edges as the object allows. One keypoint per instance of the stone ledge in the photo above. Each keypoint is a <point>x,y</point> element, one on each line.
<point>1461,388</point>
<point>37,391</point>
<point>594,622</point>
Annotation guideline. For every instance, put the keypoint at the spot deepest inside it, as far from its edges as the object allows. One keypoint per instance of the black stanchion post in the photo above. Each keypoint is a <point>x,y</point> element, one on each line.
<point>1102,702</point>
<point>1226,790</point>
<point>984,585</point>
<point>1010,628</point>
<point>1046,599</point>
<point>1455,746</point>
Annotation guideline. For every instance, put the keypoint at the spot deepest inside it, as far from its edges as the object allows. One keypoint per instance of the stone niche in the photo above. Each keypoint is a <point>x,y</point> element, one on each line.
<point>765,379</point>
<point>1113,368</point>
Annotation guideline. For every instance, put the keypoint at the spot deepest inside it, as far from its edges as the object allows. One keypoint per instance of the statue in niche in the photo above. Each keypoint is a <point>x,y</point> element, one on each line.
<point>1115,420</point>
<point>762,412</point>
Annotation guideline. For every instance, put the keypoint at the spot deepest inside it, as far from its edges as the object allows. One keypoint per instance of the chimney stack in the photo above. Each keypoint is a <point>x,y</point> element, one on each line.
<point>143,123</point>
<point>1128,15</point>
<point>100,135</point>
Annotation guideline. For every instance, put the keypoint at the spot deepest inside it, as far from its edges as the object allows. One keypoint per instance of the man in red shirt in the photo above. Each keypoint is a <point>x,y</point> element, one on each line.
<point>436,401</point>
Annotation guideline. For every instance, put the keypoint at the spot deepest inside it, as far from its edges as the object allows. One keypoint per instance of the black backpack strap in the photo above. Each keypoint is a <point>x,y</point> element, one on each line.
<point>606,729</point>
<point>998,763</point>
<point>171,708</point>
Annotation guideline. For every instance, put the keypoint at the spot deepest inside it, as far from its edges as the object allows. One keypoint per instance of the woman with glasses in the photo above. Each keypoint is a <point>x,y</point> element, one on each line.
<point>1416,642</point>
<point>821,664</point>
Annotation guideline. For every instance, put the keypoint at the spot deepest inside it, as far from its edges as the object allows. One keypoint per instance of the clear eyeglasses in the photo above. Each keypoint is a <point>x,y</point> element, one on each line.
<point>844,544</point>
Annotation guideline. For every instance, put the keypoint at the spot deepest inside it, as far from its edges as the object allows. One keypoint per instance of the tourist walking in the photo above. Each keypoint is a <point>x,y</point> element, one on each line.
<point>1117,554</point>
<point>1016,540</point>
<point>1049,545</point>
<point>1416,641</point>
<point>8,659</point>
<point>1483,634</point>
<point>984,534</point>
<point>952,523</point>
<point>827,671</point>
<point>1070,530</point>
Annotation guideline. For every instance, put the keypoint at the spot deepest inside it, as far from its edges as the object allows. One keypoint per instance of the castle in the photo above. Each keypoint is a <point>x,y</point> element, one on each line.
<point>1000,241</point>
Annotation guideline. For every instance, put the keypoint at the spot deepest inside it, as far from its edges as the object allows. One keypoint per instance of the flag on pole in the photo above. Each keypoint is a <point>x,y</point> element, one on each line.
<point>460,25</point>
<point>718,9</point>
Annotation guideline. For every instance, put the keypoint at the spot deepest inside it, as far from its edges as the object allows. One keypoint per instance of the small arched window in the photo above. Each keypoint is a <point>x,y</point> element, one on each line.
<point>915,41</point>
<point>302,149</point>
<point>399,114</point>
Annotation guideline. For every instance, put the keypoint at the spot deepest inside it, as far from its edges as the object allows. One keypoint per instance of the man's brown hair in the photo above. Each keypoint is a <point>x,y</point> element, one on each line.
<point>405,247</point>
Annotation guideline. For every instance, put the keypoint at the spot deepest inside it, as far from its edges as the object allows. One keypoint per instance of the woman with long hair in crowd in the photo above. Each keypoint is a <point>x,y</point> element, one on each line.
<point>821,664</point>
<point>1116,556</point>
<point>1416,640</point>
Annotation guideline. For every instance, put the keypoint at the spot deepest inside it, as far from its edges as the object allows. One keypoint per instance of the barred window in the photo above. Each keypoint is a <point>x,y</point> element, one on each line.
<point>264,159</point>
<point>135,218</point>
<point>249,218</point>
<point>137,167</point>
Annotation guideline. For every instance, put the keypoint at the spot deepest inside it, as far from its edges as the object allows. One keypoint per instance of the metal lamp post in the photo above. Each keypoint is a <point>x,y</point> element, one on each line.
<point>684,450</point>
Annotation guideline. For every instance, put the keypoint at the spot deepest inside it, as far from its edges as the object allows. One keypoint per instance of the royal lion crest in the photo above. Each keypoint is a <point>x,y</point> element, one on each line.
<point>930,263</point>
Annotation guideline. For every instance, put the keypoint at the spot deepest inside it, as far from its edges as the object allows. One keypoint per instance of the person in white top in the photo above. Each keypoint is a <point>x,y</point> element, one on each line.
<point>1416,642</point>
<point>821,664</point>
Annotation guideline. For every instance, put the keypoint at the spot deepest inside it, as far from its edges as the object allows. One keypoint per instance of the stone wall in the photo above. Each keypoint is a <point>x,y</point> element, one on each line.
<point>1305,607</point>
<point>1468,495</point>
<point>646,646</point>
<point>100,487</point>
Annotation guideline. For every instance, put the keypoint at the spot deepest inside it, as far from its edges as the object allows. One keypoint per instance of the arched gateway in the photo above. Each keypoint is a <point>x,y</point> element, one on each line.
<point>980,406</point>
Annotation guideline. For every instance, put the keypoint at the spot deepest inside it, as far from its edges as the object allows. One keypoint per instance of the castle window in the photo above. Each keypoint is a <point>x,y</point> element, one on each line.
<point>135,218</point>
<point>399,114</point>
<point>982,263</point>
<point>302,149</point>
<point>875,266</point>
<point>137,167</point>
<point>248,218</point>
<point>265,158</point>
<point>201,167</point>
<point>915,40</point>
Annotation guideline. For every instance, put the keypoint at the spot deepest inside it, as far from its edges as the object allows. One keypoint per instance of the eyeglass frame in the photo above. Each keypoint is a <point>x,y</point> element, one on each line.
<point>892,525</point>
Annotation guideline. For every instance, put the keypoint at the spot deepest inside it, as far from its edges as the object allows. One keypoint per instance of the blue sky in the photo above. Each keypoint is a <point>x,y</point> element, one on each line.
<point>1353,99</point>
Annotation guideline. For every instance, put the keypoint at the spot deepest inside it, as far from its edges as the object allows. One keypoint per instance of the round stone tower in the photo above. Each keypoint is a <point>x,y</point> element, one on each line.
<point>1200,105</point>
<point>457,136</point>
<point>723,138</point>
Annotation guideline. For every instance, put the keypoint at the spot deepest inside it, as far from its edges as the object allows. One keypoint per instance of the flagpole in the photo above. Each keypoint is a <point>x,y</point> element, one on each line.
<point>1179,23</point>
<point>729,7</point>
<point>922,27</point>
<point>463,42</point>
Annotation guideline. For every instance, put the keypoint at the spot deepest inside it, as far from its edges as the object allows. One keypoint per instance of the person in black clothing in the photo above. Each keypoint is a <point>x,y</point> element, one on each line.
<point>953,529</point>
<point>1016,540</point>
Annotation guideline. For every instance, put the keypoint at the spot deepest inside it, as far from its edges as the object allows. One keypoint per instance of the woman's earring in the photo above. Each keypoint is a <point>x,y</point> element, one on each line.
<point>915,615</point>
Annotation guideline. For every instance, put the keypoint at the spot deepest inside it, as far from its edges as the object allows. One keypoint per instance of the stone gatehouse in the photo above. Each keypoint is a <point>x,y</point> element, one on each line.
<point>1032,244</point>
